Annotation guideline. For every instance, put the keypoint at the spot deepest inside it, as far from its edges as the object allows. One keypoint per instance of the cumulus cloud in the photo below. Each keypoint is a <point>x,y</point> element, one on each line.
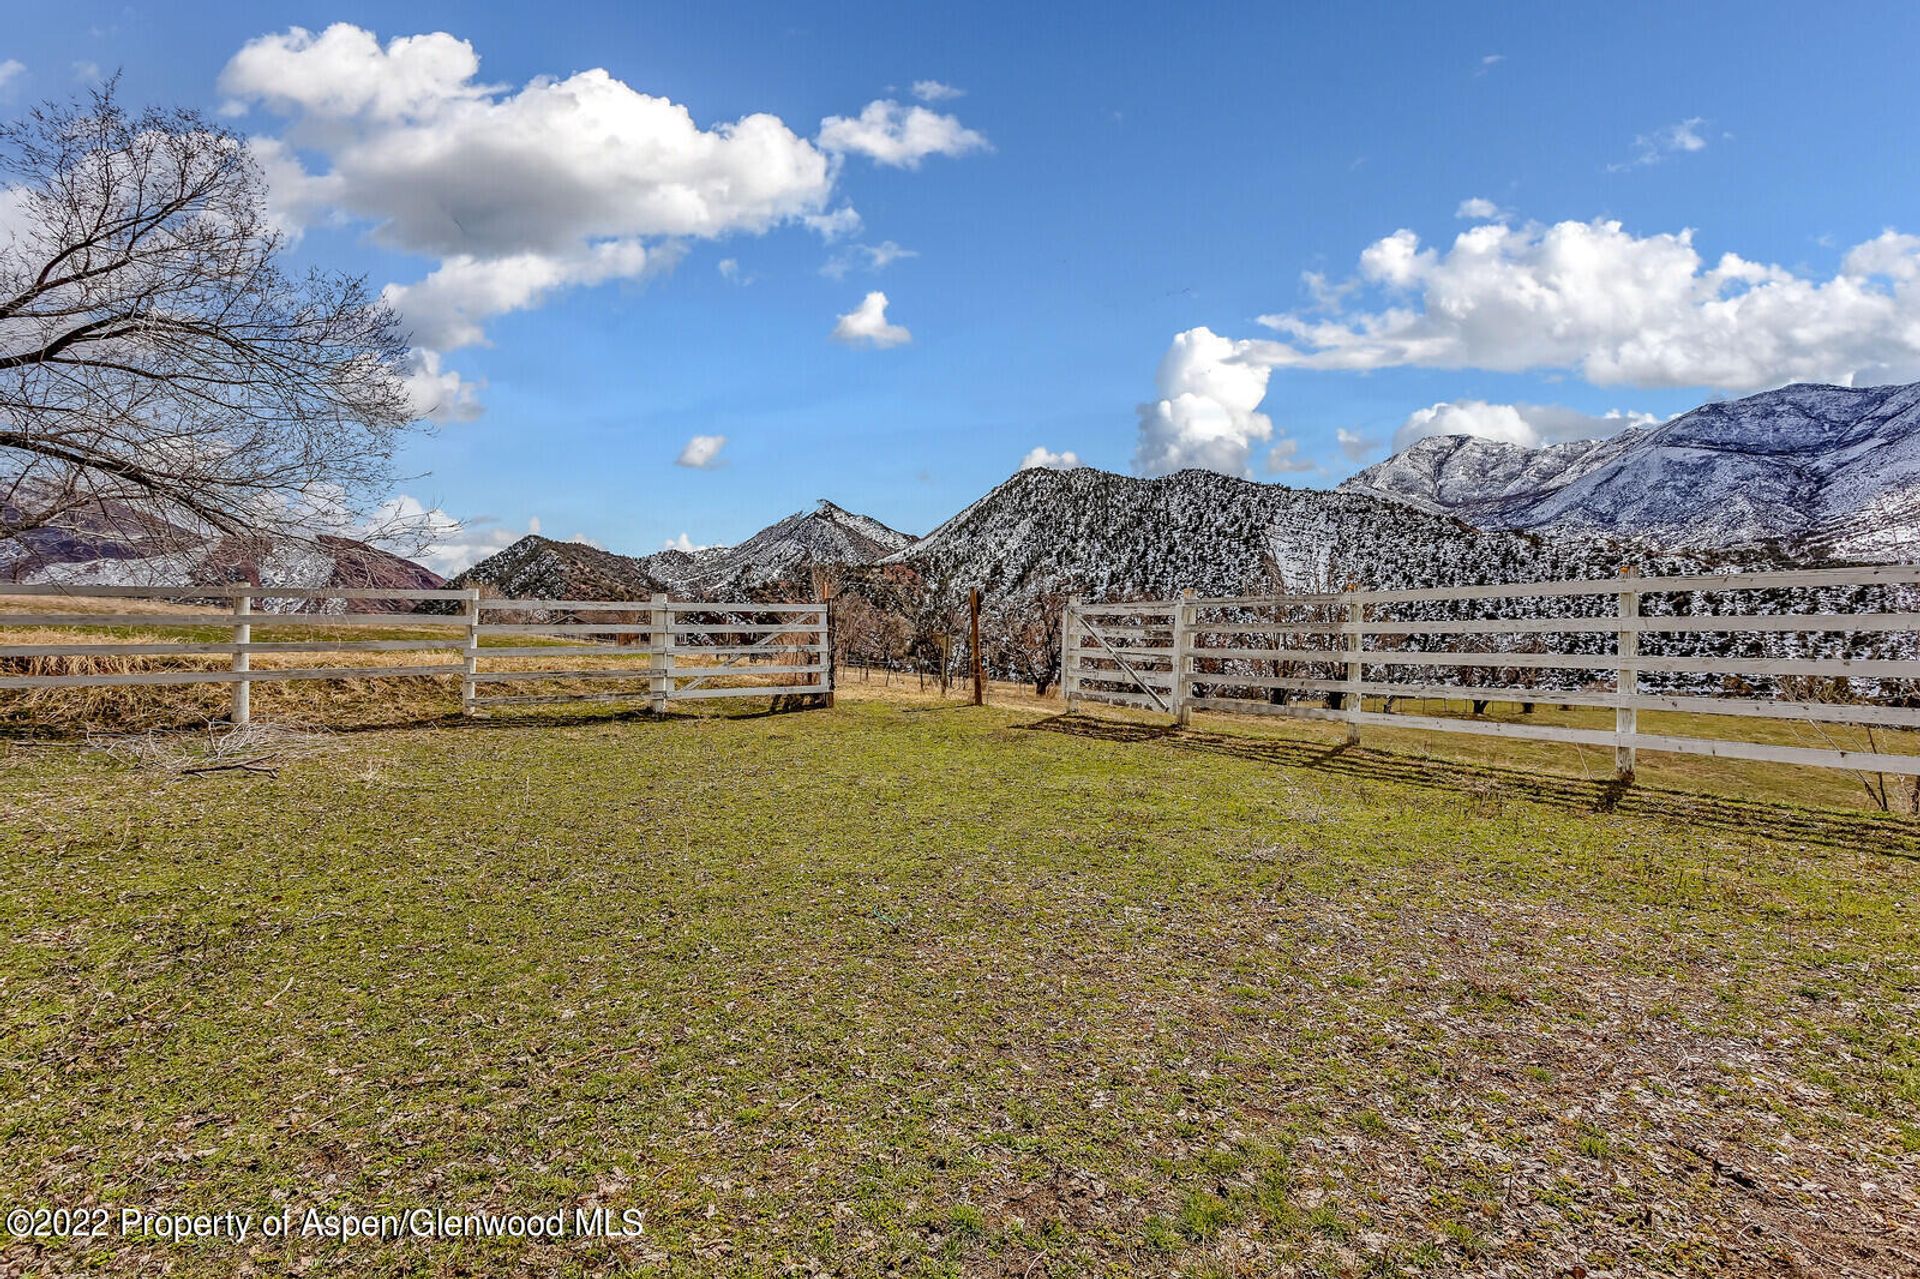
<point>440,394</point>
<point>1678,138</point>
<point>1528,425</point>
<point>1207,414</point>
<point>1618,309</point>
<point>901,136</point>
<point>683,543</point>
<point>447,166</point>
<point>516,193</point>
<point>10,70</point>
<point>935,91</point>
<point>448,309</point>
<point>450,545</point>
<point>867,325</point>
<point>1480,209</point>
<point>1042,458</point>
<point>702,452</point>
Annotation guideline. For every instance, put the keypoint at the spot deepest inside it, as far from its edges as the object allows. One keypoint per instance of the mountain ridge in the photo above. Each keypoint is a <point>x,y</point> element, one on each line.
<point>1814,472</point>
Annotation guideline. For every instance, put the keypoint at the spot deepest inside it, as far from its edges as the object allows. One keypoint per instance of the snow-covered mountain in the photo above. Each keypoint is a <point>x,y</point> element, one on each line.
<point>540,568</point>
<point>1814,471</point>
<point>785,551</point>
<point>1110,536</point>
<point>119,546</point>
<point>779,557</point>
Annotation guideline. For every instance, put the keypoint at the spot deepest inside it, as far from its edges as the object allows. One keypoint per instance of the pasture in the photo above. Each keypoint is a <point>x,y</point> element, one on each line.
<point>908,987</point>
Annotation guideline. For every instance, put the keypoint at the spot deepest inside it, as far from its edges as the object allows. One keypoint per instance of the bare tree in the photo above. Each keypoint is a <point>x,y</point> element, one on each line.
<point>1022,639</point>
<point>156,364</point>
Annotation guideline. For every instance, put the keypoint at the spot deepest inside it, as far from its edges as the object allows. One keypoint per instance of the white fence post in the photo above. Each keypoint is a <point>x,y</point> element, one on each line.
<point>660,686</point>
<point>471,666</point>
<point>242,660</point>
<point>1069,682</point>
<point>1350,696</point>
<point>1183,620</point>
<point>1626,681</point>
<point>826,652</point>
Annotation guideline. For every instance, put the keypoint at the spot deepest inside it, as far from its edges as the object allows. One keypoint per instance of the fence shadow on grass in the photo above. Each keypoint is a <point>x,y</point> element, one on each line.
<point>1853,832</point>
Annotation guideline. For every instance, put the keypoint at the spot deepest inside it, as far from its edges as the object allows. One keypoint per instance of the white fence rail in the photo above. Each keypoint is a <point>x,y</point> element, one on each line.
<point>1816,659</point>
<point>674,650</point>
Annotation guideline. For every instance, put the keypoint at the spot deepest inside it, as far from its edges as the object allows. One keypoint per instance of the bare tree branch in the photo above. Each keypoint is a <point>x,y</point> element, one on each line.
<point>155,357</point>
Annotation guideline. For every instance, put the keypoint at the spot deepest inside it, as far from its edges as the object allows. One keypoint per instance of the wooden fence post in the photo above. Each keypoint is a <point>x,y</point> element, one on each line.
<point>468,690</point>
<point>973,647</point>
<point>1069,685</point>
<point>242,661</point>
<point>1350,696</point>
<point>1183,621</point>
<point>828,667</point>
<point>660,644</point>
<point>1626,681</point>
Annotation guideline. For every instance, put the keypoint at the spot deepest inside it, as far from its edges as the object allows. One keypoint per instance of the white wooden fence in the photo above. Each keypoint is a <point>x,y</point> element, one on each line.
<point>1251,655</point>
<point>674,650</point>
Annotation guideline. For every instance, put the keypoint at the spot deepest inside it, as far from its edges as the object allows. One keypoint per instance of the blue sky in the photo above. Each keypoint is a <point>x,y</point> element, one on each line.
<point>1108,178</point>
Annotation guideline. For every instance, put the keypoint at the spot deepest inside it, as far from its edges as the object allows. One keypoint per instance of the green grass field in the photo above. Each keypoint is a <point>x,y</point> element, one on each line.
<point>907,987</point>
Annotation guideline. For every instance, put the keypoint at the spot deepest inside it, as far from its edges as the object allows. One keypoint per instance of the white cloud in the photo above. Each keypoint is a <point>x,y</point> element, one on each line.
<point>886,253</point>
<point>1619,309</point>
<point>1284,459</point>
<point>1679,138</point>
<point>702,452</point>
<point>11,70</point>
<point>1042,458</point>
<point>1207,414</point>
<point>517,193</point>
<point>451,545</point>
<point>88,72</point>
<point>683,543</point>
<point>1480,209</point>
<point>871,257</point>
<point>1354,445</point>
<point>730,271</point>
<point>844,220</point>
<point>439,394</point>
<point>900,136</point>
<point>1528,425</point>
<point>1488,62</point>
<point>447,310</point>
<point>866,325</point>
<point>935,91</point>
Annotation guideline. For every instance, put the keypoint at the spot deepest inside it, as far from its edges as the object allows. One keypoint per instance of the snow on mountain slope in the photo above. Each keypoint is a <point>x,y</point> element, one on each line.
<point>786,550</point>
<point>1108,536</point>
<point>1818,471</point>
<point>781,555</point>
<point>539,568</point>
<point>120,546</point>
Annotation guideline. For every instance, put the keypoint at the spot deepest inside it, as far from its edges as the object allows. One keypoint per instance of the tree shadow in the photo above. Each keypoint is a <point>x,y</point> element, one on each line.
<point>1853,832</point>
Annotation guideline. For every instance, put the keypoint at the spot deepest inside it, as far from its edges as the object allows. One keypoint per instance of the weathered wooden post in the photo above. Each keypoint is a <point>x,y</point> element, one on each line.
<point>660,655</point>
<point>468,691</point>
<point>973,647</point>
<point>1350,695</point>
<point>1183,621</point>
<point>242,660</point>
<point>1626,680</point>
<point>1069,685</point>
<point>829,662</point>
